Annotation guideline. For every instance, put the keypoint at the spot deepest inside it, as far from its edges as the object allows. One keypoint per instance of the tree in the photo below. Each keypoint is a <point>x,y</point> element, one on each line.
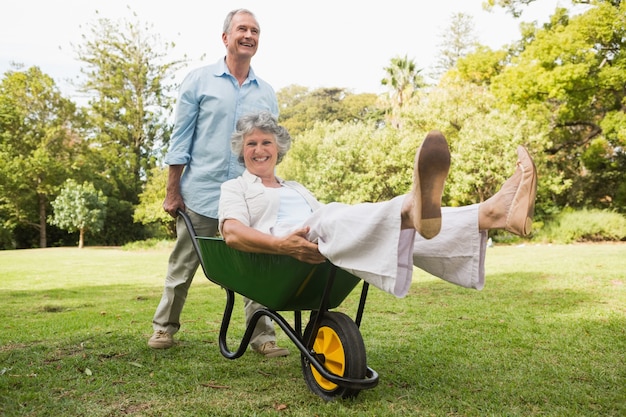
<point>356,162</point>
<point>403,78</point>
<point>150,211</point>
<point>301,109</point>
<point>482,65</point>
<point>40,147</point>
<point>130,82</point>
<point>353,162</point>
<point>79,208</point>
<point>457,41</point>
<point>514,7</point>
<point>572,76</point>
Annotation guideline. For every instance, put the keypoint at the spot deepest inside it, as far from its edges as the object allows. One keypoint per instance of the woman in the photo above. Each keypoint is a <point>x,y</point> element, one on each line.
<point>378,242</point>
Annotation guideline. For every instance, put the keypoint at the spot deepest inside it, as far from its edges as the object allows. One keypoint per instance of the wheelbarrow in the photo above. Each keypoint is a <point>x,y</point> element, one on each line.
<point>332,352</point>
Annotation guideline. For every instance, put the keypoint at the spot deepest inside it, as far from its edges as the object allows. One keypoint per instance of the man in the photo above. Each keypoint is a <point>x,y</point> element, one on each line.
<point>211,100</point>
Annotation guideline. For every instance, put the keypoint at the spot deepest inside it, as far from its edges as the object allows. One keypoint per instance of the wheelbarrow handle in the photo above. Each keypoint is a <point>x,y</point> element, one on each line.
<point>187,221</point>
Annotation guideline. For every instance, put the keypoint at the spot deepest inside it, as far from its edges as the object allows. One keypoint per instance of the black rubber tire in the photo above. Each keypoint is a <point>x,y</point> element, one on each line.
<point>340,346</point>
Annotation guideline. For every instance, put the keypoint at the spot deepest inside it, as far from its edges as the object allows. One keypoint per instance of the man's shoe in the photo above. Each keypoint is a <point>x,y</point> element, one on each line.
<point>519,218</point>
<point>161,340</point>
<point>270,350</point>
<point>432,163</point>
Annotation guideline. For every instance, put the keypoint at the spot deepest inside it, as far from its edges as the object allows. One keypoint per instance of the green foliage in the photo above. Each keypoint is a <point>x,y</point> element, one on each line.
<point>152,243</point>
<point>6,236</point>
<point>481,65</point>
<point>150,209</point>
<point>79,208</point>
<point>353,163</point>
<point>597,155</point>
<point>39,147</point>
<point>301,109</point>
<point>120,228</point>
<point>127,76</point>
<point>559,91</point>
<point>485,152</point>
<point>368,162</point>
<point>482,137</point>
<point>44,140</point>
<point>458,40</point>
<point>570,74</point>
<point>584,226</point>
<point>403,78</point>
<point>514,7</point>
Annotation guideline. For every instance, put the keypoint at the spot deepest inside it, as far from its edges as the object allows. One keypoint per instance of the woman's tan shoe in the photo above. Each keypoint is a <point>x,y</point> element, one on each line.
<point>519,217</point>
<point>432,163</point>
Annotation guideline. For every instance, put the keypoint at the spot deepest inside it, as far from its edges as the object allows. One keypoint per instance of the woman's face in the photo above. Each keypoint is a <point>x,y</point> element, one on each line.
<point>260,153</point>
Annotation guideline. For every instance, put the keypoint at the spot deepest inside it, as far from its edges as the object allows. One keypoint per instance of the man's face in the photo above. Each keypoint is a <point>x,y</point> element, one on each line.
<point>243,38</point>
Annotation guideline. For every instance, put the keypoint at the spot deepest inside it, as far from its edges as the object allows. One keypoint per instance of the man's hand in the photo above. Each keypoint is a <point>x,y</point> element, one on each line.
<point>173,201</point>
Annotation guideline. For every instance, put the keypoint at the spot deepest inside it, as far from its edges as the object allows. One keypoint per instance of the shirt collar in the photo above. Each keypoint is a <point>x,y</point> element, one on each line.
<point>251,178</point>
<point>222,69</point>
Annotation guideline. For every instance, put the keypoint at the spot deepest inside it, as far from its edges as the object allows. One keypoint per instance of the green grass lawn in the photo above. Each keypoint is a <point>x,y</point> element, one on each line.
<point>546,337</point>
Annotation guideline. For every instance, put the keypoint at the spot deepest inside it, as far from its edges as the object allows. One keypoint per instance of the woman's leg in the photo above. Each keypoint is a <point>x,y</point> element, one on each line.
<point>457,253</point>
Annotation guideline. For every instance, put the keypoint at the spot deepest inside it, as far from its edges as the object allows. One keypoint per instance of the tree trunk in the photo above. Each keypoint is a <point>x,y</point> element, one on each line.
<point>42,221</point>
<point>81,239</point>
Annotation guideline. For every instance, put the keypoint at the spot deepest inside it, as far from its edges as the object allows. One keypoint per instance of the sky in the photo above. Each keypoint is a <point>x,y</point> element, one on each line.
<point>321,43</point>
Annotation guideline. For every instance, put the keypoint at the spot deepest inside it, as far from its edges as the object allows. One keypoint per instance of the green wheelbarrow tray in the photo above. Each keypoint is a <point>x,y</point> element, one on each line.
<point>282,283</point>
<point>279,283</point>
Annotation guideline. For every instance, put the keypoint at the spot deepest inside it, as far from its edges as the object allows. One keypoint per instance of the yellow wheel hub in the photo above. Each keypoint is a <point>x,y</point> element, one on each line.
<point>327,343</point>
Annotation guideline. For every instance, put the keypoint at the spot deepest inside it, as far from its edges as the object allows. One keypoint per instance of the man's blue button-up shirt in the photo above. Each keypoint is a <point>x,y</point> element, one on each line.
<point>209,104</point>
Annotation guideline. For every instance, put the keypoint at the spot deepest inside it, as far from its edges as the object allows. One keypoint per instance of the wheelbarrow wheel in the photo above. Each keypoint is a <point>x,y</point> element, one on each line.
<point>340,348</point>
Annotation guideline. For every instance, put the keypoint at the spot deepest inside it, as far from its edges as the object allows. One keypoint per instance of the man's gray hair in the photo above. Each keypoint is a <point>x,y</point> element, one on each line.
<point>229,18</point>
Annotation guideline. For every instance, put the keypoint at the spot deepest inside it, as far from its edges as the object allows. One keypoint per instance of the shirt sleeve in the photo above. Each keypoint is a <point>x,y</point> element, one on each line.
<point>187,109</point>
<point>233,204</point>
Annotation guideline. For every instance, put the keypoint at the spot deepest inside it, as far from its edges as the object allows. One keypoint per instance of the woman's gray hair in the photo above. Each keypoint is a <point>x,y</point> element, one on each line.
<point>229,18</point>
<point>265,122</point>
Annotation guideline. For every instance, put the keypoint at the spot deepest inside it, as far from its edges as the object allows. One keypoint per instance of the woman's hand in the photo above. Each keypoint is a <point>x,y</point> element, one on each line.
<point>297,246</point>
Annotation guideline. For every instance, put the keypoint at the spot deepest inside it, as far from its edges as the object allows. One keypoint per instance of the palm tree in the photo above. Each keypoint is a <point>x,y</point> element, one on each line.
<point>404,78</point>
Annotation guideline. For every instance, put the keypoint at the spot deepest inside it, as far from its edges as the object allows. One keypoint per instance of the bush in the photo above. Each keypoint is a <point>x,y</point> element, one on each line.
<point>153,243</point>
<point>572,226</point>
